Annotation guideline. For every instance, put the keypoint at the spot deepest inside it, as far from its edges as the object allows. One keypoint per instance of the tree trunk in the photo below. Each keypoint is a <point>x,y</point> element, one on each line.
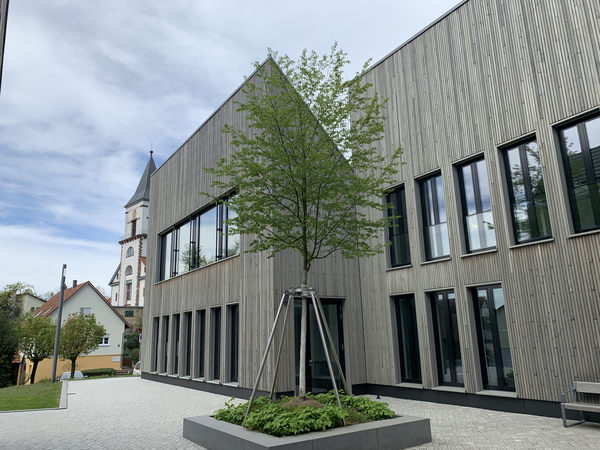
<point>32,379</point>
<point>303,331</point>
<point>73,368</point>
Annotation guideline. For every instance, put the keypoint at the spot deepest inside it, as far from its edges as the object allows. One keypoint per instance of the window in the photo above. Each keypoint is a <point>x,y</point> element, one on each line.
<point>165,343</point>
<point>476,206</point>
<point>492,333</point>
<point>133,228</point>
<point>215,347</point>
<point>86,311</point>
<point>398,231</point>
<point>200,342</point>
<point>174,369</point>
<point>155,335</point>
<point>128,271</point>
<point>447,343</point>
<point>105,340</point>
<point>128,313</point>
<point>233,341</point>
<point>581,153</point>
<point>129,252</point>
<point>527,193</point>
<point>200,240</point>
<point>128,292</point>
<point>187,344</point>
<point>408,340</point>
<point>435,229</point>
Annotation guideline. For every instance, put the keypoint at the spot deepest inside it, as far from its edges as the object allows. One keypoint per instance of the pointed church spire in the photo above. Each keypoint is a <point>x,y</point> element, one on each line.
<point>143,190</point>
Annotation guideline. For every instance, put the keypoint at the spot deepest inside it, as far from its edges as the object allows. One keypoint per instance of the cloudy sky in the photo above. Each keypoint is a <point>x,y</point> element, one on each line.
<point>88,87</point>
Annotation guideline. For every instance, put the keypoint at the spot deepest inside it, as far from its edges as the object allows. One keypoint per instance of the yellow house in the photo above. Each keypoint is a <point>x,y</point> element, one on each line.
<point>85,297</point>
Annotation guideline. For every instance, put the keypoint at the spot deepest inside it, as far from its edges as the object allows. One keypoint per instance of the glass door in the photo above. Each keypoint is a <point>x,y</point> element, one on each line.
<point>447,343</point>
<point>318,379</point>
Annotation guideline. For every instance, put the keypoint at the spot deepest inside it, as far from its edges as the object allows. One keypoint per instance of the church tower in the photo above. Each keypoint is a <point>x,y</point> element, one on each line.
<point>129,280</point>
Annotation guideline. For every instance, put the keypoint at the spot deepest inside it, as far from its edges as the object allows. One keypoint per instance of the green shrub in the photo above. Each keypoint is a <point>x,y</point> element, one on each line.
<point>276,419</point>
<point>99,372</point>
<point>135,355</point>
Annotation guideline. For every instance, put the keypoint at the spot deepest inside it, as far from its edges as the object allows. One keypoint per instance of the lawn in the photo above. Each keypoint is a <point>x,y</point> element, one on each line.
<point>36,396</point>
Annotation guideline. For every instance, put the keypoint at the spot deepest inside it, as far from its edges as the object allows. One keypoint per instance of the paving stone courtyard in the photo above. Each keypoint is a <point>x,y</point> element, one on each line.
<point>133,413</point>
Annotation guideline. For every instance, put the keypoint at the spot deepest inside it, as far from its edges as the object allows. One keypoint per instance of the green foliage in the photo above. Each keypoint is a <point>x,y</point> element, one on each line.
<point>36,339</point>
<point>10,310</point>
<point>80,335</point>
<point>132,341</point>
<point>276,419</point>
<point>31,396</point>
<point>305,174</point>
<point>105,372</point>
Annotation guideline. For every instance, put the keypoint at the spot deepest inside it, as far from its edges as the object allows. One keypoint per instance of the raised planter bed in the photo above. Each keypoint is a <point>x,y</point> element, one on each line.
<point>391,434</point>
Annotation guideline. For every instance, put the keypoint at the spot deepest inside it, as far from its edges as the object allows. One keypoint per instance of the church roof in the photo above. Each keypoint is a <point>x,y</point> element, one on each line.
<point>143,190</point>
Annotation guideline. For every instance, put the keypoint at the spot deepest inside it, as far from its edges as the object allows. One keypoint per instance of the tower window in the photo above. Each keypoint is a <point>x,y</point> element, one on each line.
<point>129,252</point>
<point>128,271</point>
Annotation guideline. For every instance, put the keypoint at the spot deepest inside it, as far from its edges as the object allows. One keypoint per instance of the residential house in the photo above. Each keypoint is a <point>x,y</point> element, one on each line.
<point>489,293</point>
<point>86,298</point>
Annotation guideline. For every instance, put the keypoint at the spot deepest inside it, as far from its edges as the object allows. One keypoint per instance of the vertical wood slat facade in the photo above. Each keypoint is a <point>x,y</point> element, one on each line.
<point>487,74</point>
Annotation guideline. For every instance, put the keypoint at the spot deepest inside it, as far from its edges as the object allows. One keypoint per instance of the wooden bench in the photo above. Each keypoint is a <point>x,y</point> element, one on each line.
<point>579,387</point>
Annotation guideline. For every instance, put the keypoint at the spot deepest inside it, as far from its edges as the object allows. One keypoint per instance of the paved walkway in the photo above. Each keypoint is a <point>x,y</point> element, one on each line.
<point>132,413</point>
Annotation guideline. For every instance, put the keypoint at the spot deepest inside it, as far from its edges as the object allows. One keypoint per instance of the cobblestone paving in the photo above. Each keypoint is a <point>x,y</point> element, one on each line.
<point>132,413</point>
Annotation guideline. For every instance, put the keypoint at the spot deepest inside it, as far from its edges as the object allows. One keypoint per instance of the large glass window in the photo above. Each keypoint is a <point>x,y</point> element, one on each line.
<point>408,345</point>
<point>200,343</point>
<point>492,331</point>
<point>581,152</point>
<point>527,193</point>
<point>476,206</point>
<point>154,364</point>
<point>187,344</point>
<point>202,239</point>
<point>175,354</point>
<point>233,341</point>
<point>215,347</point>
<point>165,343</point>
<point>447,342</point>
<point>398,231</point>
<point>435,229</point>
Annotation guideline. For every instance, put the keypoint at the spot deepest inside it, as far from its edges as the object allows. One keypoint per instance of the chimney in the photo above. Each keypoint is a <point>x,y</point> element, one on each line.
<point>74,284</point>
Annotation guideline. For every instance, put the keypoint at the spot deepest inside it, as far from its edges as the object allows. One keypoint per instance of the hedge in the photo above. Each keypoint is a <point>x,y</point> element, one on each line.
<point>99,372</point>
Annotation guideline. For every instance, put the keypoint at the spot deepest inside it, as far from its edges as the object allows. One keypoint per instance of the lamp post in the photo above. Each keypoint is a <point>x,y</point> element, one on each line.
<point>58,321</point>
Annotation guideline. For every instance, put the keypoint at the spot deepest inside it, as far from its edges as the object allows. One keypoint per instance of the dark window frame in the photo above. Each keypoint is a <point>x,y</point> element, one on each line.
<point>200,341</point>
<point>591,178</point>
<point>521,147</point>
<point>476,197</point>
<point>233,342</point>
<point>176,343</point>
<point>186,351</point>
<point>413,355</point>
<point>424,189</point>
<point>155,344</point>
<point>448,347</point>
<point>495,339</point>
<point>172,236</point>
<point>216,328</point>
<point>398,231</point>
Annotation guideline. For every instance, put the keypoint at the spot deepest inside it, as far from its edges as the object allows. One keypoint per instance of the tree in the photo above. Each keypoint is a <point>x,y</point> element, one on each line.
<point>36,339</point>
<point>307,171</point>
<point>10,310</point>
<point>80,335</point>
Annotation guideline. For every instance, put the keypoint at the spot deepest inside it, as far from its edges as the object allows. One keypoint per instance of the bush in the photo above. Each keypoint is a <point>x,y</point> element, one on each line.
<point>106,372</point>
<point>276,419</point>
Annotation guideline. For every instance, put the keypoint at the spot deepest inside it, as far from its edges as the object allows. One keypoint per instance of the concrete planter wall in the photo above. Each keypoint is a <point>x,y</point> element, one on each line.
<point>391,434</point>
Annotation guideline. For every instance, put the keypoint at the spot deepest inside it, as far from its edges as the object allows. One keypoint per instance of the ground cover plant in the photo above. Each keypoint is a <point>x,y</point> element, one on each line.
<point>32,396</point>
<point>291,416</point>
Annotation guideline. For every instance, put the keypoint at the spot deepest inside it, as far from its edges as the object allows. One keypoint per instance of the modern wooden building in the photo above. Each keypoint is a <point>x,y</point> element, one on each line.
<point>489,293</point>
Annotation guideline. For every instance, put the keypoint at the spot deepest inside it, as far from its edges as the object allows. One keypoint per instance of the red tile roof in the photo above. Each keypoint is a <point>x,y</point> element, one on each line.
<point>52,304</point>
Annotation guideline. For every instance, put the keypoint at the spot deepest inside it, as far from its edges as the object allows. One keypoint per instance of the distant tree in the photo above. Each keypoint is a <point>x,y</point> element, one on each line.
<point>48,295</point>
<point>36,339</point>
<point>80,335</point>
<point>10,310</point>
<point>308,170</point>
